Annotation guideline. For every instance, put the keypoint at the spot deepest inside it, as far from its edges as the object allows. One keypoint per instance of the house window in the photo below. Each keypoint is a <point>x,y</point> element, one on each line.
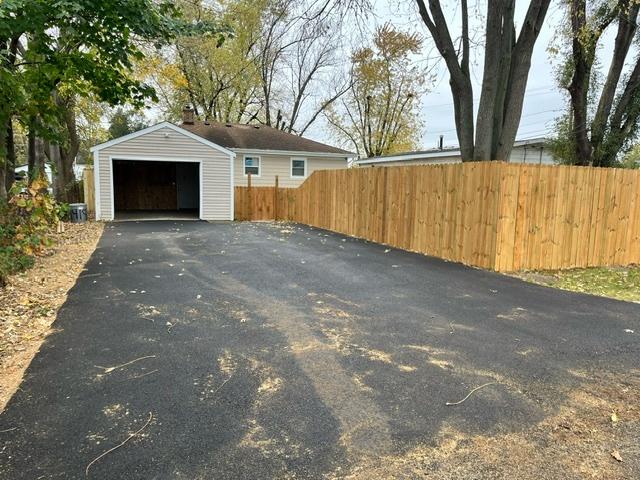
<point>252,166</point>
<point>298,167</point>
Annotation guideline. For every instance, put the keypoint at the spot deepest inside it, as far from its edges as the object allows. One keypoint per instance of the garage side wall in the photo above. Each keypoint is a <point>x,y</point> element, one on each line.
<point>216,191</point>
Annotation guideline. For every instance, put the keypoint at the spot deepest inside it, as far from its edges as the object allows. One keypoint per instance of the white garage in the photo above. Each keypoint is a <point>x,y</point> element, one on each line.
<point>163,170</point>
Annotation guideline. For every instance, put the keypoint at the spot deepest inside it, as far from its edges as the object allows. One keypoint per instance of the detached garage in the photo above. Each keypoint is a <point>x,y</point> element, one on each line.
<point>163,171</point>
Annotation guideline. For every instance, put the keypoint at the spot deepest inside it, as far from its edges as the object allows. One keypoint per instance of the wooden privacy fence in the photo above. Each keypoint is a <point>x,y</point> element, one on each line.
<point>89,189</point>
<point>495,215</point>
<point>263,203</point>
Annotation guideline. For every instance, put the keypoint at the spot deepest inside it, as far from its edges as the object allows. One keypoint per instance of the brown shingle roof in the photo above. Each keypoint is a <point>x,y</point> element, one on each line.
<point>258,137</point>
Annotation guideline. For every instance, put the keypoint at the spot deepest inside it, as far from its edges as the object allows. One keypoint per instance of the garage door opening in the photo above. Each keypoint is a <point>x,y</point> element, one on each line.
<point>146,190</point>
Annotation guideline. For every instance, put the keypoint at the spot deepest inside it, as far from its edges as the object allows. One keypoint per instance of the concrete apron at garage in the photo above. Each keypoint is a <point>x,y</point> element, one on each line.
<point>155,215</point>
<point>261,351</point>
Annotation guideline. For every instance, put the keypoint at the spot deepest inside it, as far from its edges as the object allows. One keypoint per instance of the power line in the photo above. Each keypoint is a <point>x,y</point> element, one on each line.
<point>535,93</point>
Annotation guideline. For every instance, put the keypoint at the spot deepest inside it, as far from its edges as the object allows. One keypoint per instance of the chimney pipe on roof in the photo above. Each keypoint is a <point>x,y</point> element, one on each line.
<point>441,142</point>
<point>188,115</point>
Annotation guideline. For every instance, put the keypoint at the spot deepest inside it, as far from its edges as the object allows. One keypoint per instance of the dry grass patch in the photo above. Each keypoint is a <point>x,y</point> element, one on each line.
<point>592,434</point>
<point>622,283</point>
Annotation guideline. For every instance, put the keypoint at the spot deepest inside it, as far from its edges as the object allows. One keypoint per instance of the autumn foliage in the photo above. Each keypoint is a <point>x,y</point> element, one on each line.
<point>26,222</point>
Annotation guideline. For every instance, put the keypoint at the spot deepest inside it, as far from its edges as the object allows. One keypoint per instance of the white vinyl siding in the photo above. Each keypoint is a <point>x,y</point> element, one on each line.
<point>532,154</point>
<point>535,154</point>
<point>416,161</point>
<point>280,165</point>
<point>170,145</point>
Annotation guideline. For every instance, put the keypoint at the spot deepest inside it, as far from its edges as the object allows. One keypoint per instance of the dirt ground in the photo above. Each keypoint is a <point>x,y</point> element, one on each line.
<point>30,301</point>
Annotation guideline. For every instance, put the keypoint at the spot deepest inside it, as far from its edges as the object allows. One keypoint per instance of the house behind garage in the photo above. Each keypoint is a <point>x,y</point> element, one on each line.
<point>533,150</point>
<point>192,169</point>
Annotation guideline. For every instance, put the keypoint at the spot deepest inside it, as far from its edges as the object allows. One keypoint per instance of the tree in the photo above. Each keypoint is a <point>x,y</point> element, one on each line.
<point>632,158</point>
<point>603,115</point>
<point>55,51</point>
<point>301,54</point>
<point>379,113</point>
<point>89,116</point>
<point>220,82</point>
<point>276,70</point>
<point>507,60</point>
<point>122,122</point>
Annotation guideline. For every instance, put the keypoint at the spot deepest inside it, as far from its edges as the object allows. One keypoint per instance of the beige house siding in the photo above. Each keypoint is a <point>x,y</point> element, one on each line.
<point>279,164</point>
<point>216,197</point>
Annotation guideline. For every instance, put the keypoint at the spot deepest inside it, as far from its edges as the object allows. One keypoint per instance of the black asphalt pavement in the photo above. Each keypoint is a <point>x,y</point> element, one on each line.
<point>260,351</point>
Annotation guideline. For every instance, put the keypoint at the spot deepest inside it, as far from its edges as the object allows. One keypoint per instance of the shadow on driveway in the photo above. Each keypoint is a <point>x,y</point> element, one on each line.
<point>281,351</point>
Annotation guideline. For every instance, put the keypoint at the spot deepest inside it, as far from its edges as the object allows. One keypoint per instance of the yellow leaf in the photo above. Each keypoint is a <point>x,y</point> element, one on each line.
<point>614,417</point>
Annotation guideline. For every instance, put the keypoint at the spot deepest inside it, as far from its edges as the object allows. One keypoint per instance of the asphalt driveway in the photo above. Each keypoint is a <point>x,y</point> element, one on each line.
<point>257,350</point>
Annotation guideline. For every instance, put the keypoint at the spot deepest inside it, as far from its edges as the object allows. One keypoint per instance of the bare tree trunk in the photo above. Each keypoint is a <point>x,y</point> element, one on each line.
<point>459,81</point>
<point>579,87</point>
<point>3,165</point>
<point>35,155</point>
<point>64,156</point>
<point>519,75</point>
<point>53,154</point>
<point>31,153</point>
<point>489,123</point>
<point>10,170</point>
<point>506,70</point>
<point>63,178</point>
<point>626,31</point>
<point>624,120</point>
<point>463,115</point>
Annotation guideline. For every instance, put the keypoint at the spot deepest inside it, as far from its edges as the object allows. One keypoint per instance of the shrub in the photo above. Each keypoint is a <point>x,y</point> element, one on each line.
<point>26,221</point>
<point>12,261</point>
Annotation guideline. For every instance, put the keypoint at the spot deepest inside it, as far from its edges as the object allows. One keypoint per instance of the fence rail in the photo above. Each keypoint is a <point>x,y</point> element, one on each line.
<point>495,215</point>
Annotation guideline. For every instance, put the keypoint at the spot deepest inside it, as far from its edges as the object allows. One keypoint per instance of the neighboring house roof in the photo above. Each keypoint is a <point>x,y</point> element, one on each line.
<point>441,152</point>
<point>258,137</point>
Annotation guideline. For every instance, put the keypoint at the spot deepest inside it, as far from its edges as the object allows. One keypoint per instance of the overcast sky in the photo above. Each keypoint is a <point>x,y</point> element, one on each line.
<point>543,101</point>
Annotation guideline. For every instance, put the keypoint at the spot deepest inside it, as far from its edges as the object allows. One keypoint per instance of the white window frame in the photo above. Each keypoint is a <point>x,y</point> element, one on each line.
<point>291,167</point>
<point>244,171</point>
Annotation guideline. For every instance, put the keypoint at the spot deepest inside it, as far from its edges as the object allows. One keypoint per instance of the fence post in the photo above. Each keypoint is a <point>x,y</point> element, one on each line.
<point>384,205</point>
<point>275,201</point>
<point>88,187</point>
<point>249,198</point>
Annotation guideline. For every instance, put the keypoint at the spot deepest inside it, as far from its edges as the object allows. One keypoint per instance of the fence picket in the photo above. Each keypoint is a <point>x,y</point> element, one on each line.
<point>493,215</point>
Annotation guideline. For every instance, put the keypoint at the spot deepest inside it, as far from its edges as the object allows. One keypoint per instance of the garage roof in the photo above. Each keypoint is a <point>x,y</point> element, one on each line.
<point>159,126</point>
<point>257,137</point>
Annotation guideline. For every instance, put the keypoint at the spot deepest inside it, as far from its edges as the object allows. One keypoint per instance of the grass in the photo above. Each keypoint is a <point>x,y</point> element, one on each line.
<point>622,283</point>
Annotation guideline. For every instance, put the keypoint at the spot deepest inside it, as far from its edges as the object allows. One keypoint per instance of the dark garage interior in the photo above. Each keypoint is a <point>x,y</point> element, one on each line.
<point>156,189</point>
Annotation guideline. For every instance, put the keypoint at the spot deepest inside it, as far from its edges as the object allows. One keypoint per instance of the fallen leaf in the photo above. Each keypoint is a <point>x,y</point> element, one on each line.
<point>616,454</point>
<point>614,417</point>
